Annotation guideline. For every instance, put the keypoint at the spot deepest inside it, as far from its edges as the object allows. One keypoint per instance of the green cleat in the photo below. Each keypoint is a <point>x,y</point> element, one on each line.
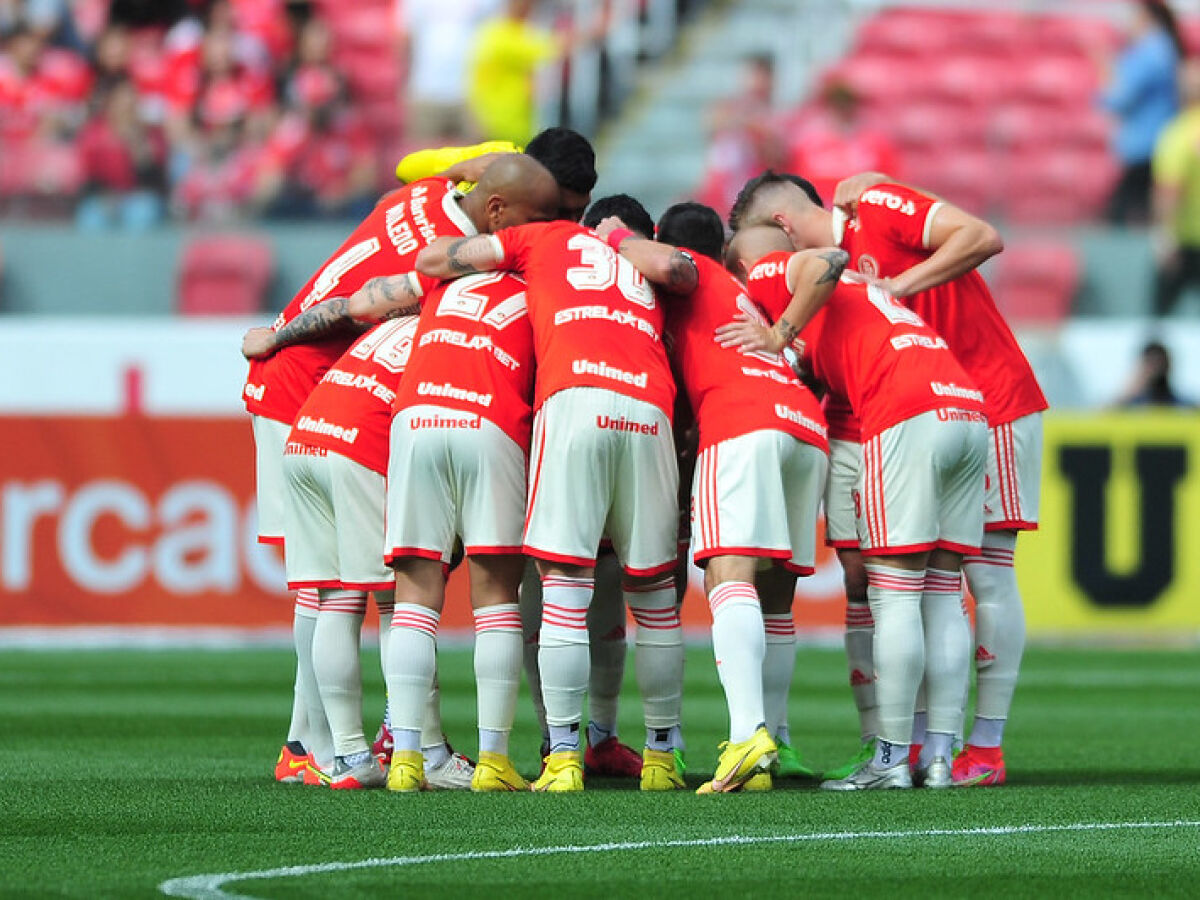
<point>789,764</point>
<point>865,753</point>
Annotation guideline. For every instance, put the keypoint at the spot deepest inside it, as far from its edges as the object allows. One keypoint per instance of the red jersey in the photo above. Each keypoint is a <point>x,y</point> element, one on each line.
<point>350,409</point>
<point>734,392</point>
<point>872,351</point>
<point>385,243</point>
<point>891,234</point>
<point>474,353</point>
<point>843,424</point>
<point>596,322</point>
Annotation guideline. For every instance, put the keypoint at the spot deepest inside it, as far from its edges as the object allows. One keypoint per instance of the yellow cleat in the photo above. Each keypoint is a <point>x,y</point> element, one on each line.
<point>758,782</point>
<point>740,762</point>
<point>494,773</point>
<point>659,771</point>
<point>563,773</point>
<point>406,774</point>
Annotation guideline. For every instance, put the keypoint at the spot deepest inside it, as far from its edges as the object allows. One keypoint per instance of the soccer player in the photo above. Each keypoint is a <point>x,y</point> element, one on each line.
<point>335,463</point>
<point>760,470</point>
<point>602,461</point>
<point>925,252</point>
<point>289,358</point>
<point>919,494</point>
<point>460,440</point>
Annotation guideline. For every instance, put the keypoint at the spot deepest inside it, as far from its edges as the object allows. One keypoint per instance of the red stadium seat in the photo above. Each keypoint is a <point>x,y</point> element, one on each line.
<point>963,177</point>
<point>907,32</point>
<point>1035,281</point>
<point>1057,186</point>
<point>225,274</point>
<point>1064,81</point>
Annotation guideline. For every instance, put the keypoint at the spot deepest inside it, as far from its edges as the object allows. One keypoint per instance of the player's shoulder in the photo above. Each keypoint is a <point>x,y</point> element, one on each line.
<point>773,265</point>
<point>891,197</point>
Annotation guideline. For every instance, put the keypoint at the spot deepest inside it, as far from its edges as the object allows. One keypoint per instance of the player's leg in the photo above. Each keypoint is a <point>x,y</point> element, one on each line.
<point>643,523</point>
<point>412,664</point>
<point>570,492</point>
<point>494,584</point>
<point>605,754</point>
<point>531,626</point>
<point>385,605</point>
<point>1014,458</point>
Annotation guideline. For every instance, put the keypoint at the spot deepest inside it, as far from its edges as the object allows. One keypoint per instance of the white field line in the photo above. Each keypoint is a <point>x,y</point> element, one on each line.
<point>210,887</point>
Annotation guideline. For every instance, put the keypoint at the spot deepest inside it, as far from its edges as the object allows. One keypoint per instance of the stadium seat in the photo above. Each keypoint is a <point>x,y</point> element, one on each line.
<point>225,274</point>
<point>1057,186</point>
<point>1035,281</point>
<point>1069,81</point>
<point>966,178</point>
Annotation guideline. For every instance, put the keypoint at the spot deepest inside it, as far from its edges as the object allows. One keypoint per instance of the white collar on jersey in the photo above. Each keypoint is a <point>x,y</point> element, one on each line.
<point>455,213</point>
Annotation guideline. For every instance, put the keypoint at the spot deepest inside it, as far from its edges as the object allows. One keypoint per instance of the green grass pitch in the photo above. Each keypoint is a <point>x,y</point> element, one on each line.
<point>122,770</point>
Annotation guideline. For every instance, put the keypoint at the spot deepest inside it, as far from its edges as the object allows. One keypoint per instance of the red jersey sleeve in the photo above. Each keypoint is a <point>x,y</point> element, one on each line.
<point>515,244</point>
<point>899,214</point>
<point>767,283</point>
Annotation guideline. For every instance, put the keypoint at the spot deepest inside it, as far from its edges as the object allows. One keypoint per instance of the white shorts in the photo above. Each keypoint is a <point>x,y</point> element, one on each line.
<point>334,522</point>
<point>602,464</point>
<point>758,494</point>
<point>921,485</point>
<point>270,437</point>
<point>1014,475</point>
<point>841,525</point>
<point>452,473</point>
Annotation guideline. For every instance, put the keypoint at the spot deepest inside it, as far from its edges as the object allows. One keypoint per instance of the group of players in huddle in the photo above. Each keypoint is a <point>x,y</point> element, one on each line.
<point>513,372</point>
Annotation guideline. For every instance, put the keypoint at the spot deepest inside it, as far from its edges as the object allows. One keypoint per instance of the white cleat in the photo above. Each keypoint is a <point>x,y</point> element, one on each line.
<point>868,778</point>
<point>935,775</point>
<point>452,775</point>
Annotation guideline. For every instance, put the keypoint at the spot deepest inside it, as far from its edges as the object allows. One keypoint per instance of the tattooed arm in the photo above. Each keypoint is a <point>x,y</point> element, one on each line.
<point>959,241</point>
<point>450,257</point>
<point>386,297</point>
<point>668,267</point>
<point>315,323</point>
<point>811,277</point>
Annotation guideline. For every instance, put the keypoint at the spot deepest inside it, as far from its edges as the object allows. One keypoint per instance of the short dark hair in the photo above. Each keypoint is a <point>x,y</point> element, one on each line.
<point>630,211</point>
<point>693,226</point>
<point>569,157</point>
<point>768,178</point>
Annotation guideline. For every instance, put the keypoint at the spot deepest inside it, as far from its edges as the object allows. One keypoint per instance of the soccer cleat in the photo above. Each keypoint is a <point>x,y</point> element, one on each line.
<point>382,748</point>
<point>454,774</point>
<point>978,767</point>
<point>562,773</point>
<point>494,773</point>
<point>934,775</point>
<point>660,771</point>
<point>612,759</point>
<point>292,763</point>
<point>789,764</point>
<point>366,775</point>
<point>868,778</point>
<point>740,762</point>
<point>758,783</point>
<point>315,776</point>
<point>865,754</point>
<point>406,774</point>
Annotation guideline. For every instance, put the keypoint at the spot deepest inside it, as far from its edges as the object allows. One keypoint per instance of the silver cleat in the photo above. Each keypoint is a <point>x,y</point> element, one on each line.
<point>452,775</point>
<point>868,778</point>
<point>935,775</point>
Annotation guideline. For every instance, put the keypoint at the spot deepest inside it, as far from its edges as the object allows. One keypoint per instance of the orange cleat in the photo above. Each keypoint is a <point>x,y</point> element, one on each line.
<point>979,767</point>
<point>293,762</point>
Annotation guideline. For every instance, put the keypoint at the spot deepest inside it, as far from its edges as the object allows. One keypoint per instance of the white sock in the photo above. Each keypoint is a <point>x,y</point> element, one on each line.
<point>947,654</point>
<point>386,606</point>
<point>606,636</point>
<point>659,653</point>
<point>563,657</point>
<point>860,659</point>
<point>338,667</point>
<point>412,662</point>
<point>999,629</point>
<point>779,662</point>
<point>318,739</point>
<point>987,732</point>
<point>497,673</point>
<point>739,646</point>
<point>304,619</point>
<point>937,743</point>
<point>920,717</point>
<point>432,733</point>
<point>895,597</point>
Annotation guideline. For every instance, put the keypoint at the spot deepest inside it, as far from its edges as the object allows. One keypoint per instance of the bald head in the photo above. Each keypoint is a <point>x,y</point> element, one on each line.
<point>751,243</point>
<point>513,190</point>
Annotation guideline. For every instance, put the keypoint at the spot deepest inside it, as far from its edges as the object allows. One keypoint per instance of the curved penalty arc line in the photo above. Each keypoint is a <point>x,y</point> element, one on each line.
<point>211,887</point>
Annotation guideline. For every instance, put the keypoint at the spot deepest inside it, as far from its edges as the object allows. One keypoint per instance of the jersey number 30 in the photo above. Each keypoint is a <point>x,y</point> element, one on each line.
<point>600,268</point>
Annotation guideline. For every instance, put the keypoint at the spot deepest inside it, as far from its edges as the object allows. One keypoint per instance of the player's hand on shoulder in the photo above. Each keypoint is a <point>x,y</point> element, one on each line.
<point>848,190</point>
<point>608,225</point>
<point>744,333</point>
<point>258,343</point>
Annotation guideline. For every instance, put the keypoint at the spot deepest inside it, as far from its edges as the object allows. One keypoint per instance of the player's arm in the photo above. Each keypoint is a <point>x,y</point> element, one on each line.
<point>323,320</point>
<point>449,257</point>
<point>960,242</point>
<point>458,163</point>
<point>662,264</point>
<point>386,297</point>
<point>811,277</point>
<point>848,190</point>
